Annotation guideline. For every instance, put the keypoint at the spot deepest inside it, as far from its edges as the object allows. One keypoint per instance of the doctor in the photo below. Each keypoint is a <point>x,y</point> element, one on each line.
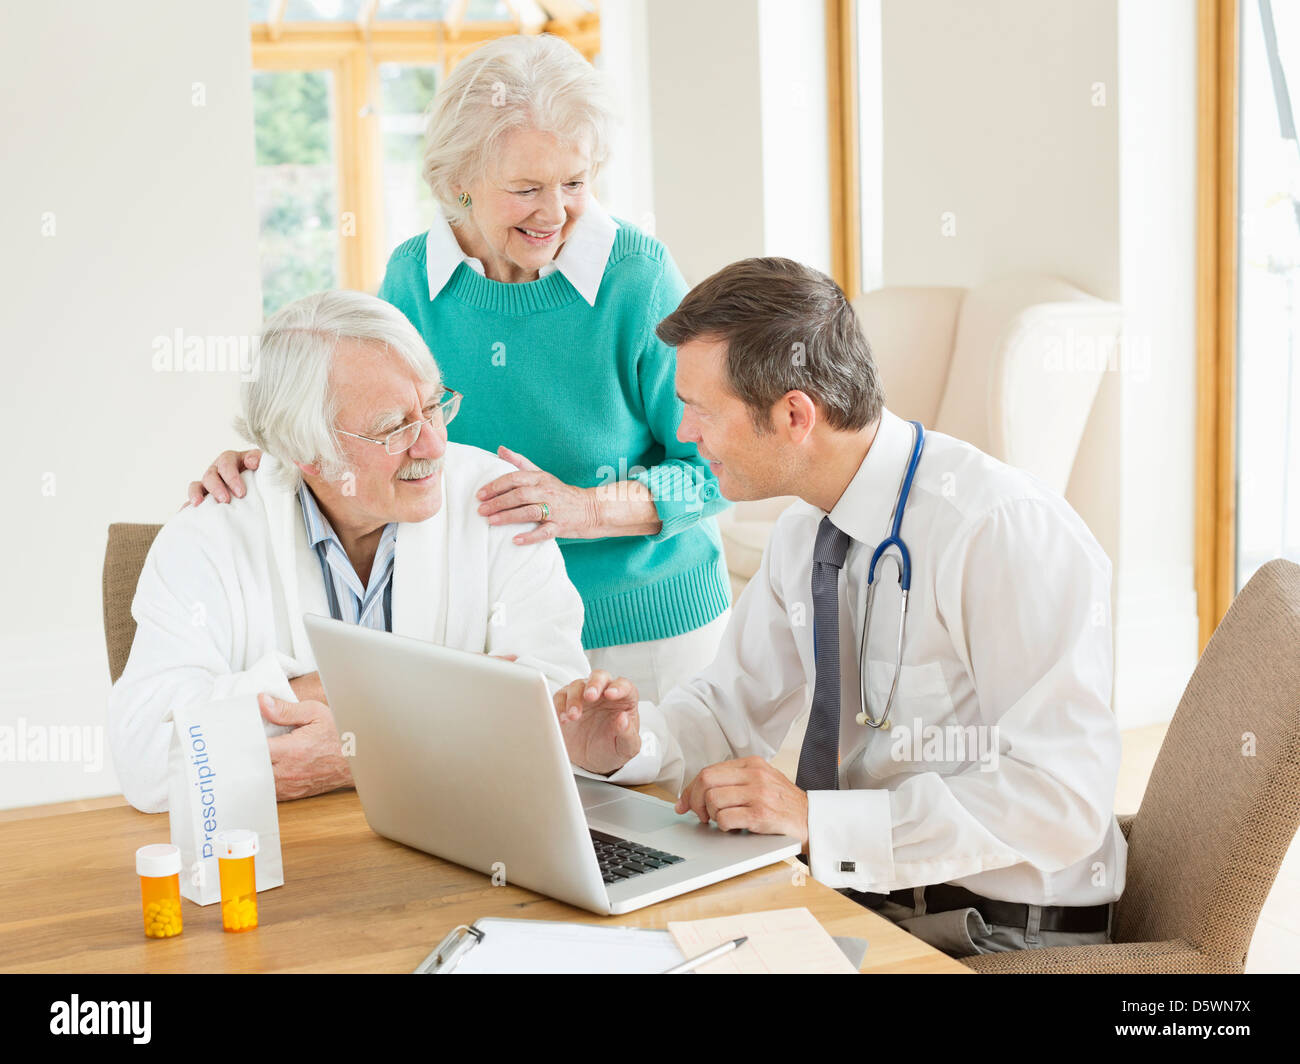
<point>980,815</point>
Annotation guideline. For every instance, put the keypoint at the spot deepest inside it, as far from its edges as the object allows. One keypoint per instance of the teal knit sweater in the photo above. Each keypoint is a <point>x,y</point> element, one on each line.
<point>587,394</point>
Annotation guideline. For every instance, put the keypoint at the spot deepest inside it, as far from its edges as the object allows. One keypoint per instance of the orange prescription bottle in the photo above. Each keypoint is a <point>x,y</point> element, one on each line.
<point>159,869</point>
<point>236,851</point>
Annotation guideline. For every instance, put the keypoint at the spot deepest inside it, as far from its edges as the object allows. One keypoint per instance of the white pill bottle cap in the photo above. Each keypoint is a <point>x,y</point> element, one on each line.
<point>158,860</point>
<point>236,843</point>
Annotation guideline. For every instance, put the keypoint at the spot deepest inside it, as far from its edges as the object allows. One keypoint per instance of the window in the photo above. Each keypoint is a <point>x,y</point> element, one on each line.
<point>1268,317</point>
<point>339,90</point>
<point>297,195</point>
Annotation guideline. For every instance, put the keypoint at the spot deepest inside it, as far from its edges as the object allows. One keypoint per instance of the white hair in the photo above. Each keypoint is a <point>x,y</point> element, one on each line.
<point>539,83</point>
<point>289,408</point>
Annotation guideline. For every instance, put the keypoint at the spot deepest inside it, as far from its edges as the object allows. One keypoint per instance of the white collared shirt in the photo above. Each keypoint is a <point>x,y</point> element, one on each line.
<point>998,771</point>
<point>582,258</point>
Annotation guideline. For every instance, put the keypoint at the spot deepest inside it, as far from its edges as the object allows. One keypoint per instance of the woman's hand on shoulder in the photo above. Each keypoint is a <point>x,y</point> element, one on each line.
<point>533,495</point>
<point>223,477</point>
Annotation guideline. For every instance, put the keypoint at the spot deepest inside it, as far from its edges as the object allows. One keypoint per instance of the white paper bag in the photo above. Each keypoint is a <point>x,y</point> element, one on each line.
<point>219,778</point>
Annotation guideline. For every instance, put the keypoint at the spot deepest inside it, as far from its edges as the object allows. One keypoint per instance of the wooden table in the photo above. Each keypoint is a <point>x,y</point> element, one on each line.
<point>353,901</point>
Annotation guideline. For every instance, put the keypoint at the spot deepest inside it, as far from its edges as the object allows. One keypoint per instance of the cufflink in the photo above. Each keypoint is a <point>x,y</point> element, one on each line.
<point>848,866</point>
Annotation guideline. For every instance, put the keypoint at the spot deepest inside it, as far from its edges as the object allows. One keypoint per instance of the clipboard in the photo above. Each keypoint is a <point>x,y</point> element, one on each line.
<point>496,945</point>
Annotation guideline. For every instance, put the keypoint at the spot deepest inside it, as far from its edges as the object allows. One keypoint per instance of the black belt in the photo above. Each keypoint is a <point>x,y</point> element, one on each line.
<point>944,897</point>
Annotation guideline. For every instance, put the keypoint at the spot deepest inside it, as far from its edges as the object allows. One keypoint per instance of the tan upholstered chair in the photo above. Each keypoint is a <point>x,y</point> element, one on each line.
<point>123,559</point>
<point>1221,807</point>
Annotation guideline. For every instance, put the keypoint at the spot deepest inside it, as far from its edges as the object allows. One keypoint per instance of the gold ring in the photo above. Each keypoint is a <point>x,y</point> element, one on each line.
<point>546,512</point>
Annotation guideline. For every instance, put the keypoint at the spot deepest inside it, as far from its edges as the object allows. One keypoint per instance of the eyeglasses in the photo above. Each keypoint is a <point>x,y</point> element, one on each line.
<point>403,439</point>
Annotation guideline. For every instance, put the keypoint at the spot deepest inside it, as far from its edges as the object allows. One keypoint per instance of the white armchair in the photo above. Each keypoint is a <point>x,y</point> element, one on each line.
<point>1012,366</point>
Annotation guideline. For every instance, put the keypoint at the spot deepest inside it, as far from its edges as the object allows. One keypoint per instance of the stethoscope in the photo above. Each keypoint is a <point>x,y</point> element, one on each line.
<point>903,563</point>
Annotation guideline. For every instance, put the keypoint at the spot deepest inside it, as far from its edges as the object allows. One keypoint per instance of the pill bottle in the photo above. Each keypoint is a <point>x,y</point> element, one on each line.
<point>159,869</point>
<point>236,851</point>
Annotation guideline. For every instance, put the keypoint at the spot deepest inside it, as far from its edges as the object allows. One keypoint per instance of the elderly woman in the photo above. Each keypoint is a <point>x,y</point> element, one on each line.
<point>541,309</point>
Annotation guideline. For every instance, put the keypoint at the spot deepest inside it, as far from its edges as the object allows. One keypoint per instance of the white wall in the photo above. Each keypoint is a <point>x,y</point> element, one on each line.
<point>127,208</point>
<point>708,175</point>
<point>1060,136</point>
<point>626,187</point>
<point>989,116</point>
<point>796,149</point>
<point>1156,631</point>
<point>737,131</point>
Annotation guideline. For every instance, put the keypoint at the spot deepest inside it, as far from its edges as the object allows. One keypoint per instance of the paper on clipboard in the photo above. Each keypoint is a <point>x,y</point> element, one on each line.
<point>545,947</point>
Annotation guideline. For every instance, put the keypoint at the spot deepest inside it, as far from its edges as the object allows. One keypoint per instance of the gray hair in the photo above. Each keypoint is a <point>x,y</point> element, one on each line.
<point>788,328</point>
<point>289,409</point>
<point>521,82</point>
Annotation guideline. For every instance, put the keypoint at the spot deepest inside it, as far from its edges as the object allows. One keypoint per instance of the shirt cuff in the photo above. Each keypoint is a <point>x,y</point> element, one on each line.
<point>644,767</point>
<point>850,839</point>
<point>681,493</point>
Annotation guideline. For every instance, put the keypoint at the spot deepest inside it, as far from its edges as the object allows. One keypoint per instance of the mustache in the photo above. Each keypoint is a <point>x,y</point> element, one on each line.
<point>420,468</point>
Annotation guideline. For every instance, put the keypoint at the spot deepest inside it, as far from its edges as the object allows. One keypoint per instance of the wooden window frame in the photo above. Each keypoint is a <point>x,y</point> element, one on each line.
<point>1218,58</point>
<point>842,134</point>
<point>352,52</point>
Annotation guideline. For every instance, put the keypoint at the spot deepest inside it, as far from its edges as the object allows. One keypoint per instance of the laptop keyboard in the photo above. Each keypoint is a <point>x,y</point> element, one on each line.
<point>620,859</point>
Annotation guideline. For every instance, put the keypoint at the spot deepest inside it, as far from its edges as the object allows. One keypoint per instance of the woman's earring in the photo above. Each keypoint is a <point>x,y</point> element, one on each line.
<point>465,201</point>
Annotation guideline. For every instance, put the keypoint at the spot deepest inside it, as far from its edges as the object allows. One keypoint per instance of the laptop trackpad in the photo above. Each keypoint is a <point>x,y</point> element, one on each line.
<point>635,815</point>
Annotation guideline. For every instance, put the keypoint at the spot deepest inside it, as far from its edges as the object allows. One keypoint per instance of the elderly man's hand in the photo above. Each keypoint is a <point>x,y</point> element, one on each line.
<point>308,688</point>
<point>308,760</point>
<point>748,793</point>
<point>599,721</point>
<point>222,477</point>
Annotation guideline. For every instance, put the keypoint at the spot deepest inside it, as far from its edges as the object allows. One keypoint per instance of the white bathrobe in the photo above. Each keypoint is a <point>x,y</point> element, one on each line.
<point>221,598</point>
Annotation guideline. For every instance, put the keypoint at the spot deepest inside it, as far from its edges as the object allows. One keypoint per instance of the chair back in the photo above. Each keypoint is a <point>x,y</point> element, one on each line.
<point>123,559</point>
<point>1223,801</point>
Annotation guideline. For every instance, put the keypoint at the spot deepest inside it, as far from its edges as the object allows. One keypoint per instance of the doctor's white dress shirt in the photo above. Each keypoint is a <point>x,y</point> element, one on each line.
<point>999,767</point>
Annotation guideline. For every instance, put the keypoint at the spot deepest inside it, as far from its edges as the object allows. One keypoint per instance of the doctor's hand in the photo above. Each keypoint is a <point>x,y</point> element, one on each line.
<point>308,760</point>
<point>222,477</point>
<point>599,721</point>
<point>748,793</point>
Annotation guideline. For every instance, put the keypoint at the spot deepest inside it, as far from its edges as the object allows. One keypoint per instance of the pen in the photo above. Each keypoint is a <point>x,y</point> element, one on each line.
<point>704,958</point>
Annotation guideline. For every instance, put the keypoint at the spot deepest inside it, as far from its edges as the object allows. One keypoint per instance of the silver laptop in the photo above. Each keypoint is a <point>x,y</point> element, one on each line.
<point>460,755</point>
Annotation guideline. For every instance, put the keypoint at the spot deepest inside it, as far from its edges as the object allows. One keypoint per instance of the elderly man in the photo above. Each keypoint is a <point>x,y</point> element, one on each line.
<point>982,818</point>
<point>360,509</point>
